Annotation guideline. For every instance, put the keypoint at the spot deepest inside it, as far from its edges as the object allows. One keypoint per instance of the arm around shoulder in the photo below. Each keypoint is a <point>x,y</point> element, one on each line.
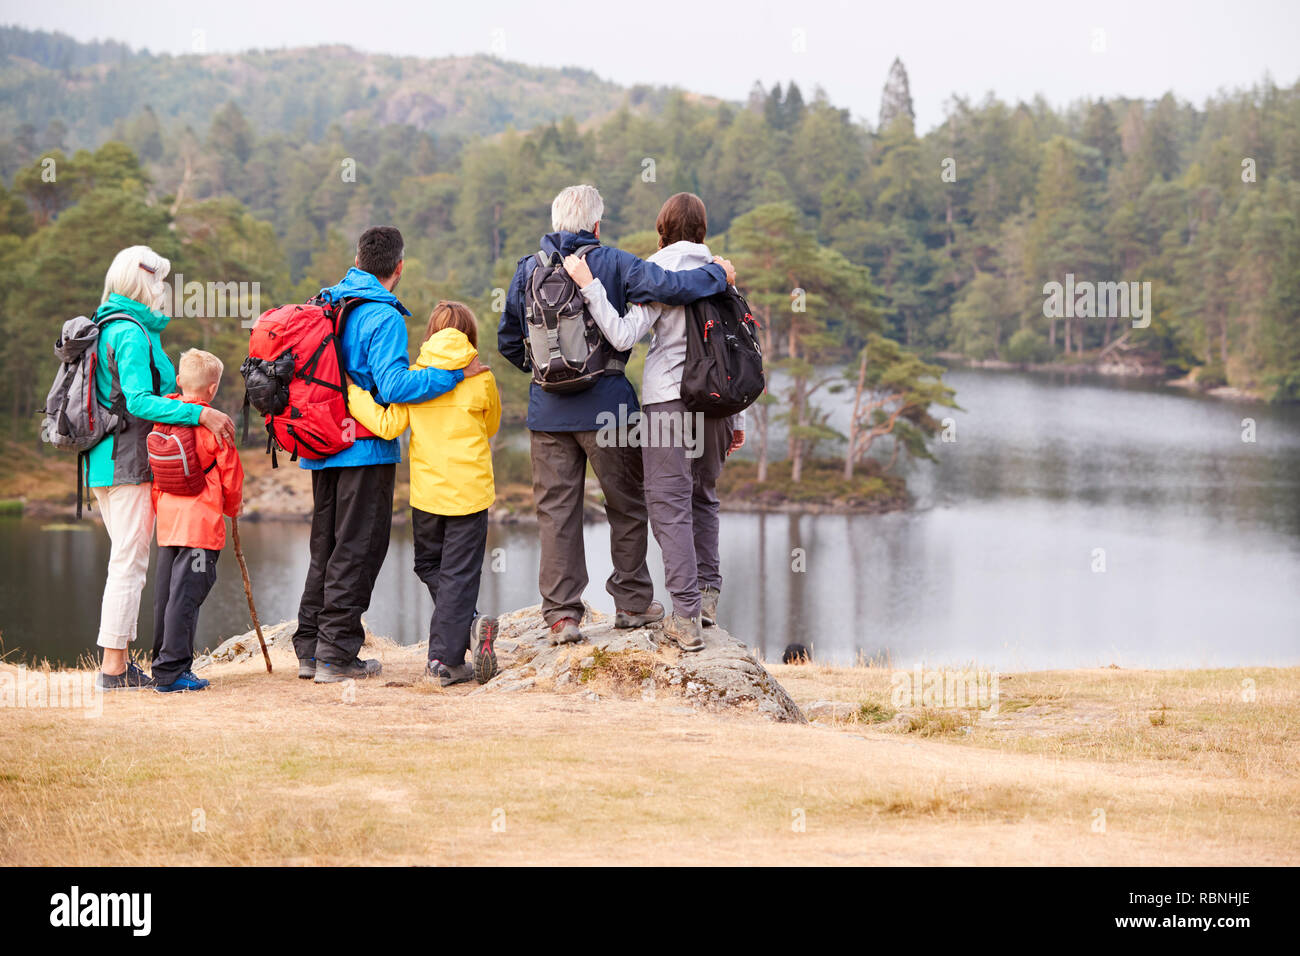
<point>621,331</point>
<point>647,282</point>
<point>384,422</point>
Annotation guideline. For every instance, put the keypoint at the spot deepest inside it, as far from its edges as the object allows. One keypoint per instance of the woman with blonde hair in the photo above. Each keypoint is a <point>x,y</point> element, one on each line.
<point>132,376</point>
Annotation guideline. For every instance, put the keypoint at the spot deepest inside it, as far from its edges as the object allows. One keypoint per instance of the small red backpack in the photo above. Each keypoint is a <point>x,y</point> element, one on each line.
<point>174,460</point>
<point>294,376</point>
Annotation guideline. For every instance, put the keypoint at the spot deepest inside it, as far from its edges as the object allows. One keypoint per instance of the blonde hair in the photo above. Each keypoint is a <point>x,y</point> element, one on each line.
<point>138,273</point>
<point>197,369</point>
<point>577,209</point>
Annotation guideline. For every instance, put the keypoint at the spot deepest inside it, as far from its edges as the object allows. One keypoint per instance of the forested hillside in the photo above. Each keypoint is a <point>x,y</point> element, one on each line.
<point>940,240</point>
<point>95,90</point>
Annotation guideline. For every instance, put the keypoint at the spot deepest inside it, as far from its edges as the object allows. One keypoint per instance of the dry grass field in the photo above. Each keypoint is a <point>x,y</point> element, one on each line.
<point>1083,767</point>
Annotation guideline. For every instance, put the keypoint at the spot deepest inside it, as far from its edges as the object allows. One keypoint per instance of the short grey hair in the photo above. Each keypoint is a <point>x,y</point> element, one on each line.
<point>577,209</point>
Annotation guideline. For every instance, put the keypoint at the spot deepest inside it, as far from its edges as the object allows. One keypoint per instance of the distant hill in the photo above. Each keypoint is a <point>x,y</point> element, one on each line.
<point>90,87</point>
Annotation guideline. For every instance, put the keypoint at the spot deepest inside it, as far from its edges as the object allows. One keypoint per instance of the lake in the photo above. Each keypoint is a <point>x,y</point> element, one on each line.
<point>1073,523</point>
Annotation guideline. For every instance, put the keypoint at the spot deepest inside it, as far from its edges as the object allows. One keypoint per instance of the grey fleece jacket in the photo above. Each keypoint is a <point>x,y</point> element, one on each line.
<point>667,358</point>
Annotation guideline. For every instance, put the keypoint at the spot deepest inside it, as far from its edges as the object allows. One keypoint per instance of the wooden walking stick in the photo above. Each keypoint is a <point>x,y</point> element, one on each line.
<point>248,590</point>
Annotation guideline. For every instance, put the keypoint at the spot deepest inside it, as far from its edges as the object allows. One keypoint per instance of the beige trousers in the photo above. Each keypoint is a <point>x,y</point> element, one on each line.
<point>128,518</point>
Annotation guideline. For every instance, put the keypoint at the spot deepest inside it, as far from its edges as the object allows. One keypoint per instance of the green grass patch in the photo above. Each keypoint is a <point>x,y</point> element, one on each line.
<point>872,712</point>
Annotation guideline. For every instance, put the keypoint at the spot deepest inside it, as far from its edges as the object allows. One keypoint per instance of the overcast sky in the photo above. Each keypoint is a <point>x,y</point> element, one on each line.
<point>1016,49</point>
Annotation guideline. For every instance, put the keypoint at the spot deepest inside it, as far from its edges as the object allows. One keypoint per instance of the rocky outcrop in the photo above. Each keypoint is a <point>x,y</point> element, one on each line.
<point>726,675</point>
<point>635,663</point>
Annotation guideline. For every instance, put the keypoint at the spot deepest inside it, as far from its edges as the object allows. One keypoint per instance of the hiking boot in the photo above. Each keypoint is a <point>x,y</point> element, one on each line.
<point>709,606</point>
<point>187,681</point>
<point>447,676</point>
<point>626,619</point>
<point>565,631</point>
<point>130,679</point>
<point>306,668</point>
<point>482,637</point>
<point>353,670</point>
<point>684,632</point>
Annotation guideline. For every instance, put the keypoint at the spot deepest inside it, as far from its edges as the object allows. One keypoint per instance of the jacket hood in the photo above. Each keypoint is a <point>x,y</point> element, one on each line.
<point>566,243</point>
<point>449,349</point>
<point>151,320</point>
<point>359,284</point>
<point>682,255</point>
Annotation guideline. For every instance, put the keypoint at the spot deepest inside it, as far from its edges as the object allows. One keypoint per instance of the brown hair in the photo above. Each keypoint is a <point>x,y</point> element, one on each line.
<point>453,315</point>
<point>682,217</point>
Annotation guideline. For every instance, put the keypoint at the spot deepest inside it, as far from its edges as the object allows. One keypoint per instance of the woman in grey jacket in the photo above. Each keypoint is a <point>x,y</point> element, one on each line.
<point>683,452</point>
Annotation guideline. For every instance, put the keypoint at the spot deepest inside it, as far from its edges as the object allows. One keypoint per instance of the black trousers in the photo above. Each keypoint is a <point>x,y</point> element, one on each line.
<point>352,516</point>
<point>449,560</point>
<point>184,578</point>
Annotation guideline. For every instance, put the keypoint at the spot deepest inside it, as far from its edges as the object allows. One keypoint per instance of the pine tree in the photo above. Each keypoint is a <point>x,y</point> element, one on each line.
<point>896,99</point>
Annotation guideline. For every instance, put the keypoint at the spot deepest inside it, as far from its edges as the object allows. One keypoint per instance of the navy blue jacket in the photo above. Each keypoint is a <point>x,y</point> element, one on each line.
<point>626,278</point>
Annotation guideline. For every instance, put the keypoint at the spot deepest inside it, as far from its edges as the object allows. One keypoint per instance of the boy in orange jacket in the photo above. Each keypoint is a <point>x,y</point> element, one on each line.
<point>191,527</point>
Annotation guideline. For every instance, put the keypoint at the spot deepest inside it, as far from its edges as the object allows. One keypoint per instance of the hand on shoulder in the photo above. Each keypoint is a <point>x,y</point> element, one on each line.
<point>578,270</point>
<point>727,267</point>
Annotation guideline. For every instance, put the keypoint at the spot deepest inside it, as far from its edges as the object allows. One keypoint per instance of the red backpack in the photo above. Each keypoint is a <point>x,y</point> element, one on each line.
<point>174,460</point>
<point>294,376</point>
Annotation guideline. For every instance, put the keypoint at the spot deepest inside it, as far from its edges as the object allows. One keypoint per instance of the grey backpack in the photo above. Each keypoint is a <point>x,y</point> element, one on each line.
<point>74,418</point>
<point>566,349</point>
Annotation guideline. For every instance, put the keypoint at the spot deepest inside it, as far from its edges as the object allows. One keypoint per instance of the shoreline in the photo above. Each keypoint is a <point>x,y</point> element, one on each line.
<point>59,513</point>
<point>284,495</point>
<point>1136,369</point>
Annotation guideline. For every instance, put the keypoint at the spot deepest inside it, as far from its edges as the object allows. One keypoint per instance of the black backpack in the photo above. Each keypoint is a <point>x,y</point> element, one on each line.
<point>724,363</point>
<point>564,344</point>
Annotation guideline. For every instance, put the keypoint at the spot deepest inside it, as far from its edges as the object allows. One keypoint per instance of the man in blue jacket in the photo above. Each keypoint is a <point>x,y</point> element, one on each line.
<point>564,427</point>
<point>352,492</point>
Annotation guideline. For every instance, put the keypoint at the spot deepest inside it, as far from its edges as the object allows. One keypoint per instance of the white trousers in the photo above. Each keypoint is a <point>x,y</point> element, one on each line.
<point>128,517</point>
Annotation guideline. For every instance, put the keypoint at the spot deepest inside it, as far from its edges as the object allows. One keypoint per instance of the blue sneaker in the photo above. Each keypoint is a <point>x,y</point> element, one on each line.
<point>186,681</point>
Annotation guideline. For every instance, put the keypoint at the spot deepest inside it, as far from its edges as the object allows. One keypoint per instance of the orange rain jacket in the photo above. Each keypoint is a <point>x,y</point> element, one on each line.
<point>199,522</point>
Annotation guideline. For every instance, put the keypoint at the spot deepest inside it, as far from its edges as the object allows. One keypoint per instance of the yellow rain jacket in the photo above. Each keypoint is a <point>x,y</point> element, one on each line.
<point>451,462</point>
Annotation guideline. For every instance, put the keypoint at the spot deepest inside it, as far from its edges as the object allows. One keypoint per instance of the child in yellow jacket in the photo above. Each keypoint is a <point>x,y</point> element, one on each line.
<point>451,490</point>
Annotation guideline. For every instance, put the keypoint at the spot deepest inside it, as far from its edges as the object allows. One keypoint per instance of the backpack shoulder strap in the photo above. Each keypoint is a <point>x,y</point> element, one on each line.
<point>581,251</point>
<point>345,307</point>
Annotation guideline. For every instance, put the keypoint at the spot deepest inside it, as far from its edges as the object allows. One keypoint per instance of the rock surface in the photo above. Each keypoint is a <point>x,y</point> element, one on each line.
<point>831,710</point>
<point>636,663</point>
<point>244,646</point>
<point>633,663</point>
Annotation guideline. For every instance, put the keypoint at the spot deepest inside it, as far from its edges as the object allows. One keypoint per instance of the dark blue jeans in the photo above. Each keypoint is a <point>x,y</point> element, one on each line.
<point>184,578</point>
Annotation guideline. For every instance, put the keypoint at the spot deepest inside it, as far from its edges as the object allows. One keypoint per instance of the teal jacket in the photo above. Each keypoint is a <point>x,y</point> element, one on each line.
<point>123,375</point>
